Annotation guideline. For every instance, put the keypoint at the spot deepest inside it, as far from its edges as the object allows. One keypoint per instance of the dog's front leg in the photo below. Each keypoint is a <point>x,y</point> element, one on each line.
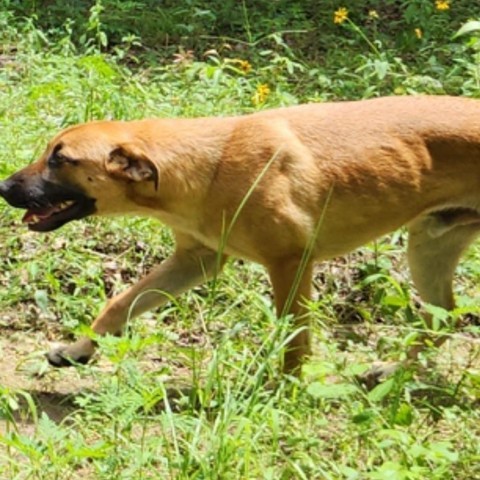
<point>190,265</point>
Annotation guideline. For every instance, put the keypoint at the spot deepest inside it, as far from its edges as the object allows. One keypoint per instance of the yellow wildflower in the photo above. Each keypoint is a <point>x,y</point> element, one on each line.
<point>261,94</point>
<point>442,4</point>
<point>418,33</point>
<point>373,14</point>
<point>245,65</point>
<point>340,15</point>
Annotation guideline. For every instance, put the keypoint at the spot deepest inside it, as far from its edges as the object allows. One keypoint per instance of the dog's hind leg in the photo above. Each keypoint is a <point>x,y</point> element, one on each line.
<point>436,243</point>
<point>292,284</point>
<point>190,265</point>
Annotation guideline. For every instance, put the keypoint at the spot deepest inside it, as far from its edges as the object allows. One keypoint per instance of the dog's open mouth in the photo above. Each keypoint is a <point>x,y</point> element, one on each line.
<point>48,205</point>
<point>51,217</point>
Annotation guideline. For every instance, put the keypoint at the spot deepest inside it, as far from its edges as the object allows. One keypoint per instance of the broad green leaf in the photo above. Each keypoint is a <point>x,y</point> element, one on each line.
<point>336,390</point>
<point>467,28</point>
<point>381,390</point>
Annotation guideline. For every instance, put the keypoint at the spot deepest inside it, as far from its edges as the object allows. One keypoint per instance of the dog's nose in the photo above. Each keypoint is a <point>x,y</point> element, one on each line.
<point>7,188</point>
<point>3,188</point>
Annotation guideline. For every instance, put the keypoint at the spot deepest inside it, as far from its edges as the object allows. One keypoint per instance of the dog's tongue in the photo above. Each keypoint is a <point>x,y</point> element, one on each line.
<point>40,213</point>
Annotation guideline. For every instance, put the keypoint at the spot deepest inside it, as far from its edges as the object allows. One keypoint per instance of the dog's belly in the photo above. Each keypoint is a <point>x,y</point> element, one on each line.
<point>262,240</point>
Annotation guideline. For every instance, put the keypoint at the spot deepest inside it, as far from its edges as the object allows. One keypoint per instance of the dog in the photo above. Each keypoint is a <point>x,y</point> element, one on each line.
<point>285,188</point>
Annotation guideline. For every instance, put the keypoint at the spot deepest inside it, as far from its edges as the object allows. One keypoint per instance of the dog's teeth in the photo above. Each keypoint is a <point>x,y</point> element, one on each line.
<point>65,205</point>
<point>34,219</point>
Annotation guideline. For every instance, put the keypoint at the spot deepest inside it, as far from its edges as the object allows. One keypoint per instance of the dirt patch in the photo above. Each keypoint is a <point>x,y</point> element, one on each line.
<point>23,367</point>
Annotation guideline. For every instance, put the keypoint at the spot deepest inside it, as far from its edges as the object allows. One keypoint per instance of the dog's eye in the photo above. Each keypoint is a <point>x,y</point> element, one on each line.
<point>56,159</point>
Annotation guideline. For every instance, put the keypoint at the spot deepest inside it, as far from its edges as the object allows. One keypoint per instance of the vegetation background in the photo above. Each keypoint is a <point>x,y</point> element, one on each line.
<point>182,395</point>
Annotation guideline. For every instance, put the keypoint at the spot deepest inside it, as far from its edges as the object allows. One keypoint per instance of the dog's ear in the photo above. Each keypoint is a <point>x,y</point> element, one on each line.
<point>129,163</point>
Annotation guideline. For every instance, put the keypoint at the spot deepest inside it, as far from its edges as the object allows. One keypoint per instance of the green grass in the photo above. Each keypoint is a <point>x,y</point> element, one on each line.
<point>186,393</point>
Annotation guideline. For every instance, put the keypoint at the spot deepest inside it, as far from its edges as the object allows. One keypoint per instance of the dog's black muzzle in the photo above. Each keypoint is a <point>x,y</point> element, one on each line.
<point>20,193</point>
<point>49,205</point>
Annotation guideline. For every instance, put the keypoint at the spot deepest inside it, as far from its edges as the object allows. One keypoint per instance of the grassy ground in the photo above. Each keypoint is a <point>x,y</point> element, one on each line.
<point>183,395</point>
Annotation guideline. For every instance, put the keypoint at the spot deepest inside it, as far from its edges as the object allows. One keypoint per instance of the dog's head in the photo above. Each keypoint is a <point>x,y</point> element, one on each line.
<point>86,169</point>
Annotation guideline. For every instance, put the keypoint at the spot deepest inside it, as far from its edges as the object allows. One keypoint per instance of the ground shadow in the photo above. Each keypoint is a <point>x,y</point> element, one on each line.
<point>59,406</point>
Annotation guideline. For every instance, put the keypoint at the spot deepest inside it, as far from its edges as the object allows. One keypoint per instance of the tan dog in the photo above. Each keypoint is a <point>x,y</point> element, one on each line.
<point>284,188</point>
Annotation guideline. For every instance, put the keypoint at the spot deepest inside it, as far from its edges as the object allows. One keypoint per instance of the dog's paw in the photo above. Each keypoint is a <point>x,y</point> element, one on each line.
<point>378,373</point>
<point>59,357</point>
<point>79,352</point>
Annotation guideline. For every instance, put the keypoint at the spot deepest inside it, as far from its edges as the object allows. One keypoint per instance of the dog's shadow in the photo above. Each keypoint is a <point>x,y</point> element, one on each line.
<point>58,407</point>
<point>32,404</point>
